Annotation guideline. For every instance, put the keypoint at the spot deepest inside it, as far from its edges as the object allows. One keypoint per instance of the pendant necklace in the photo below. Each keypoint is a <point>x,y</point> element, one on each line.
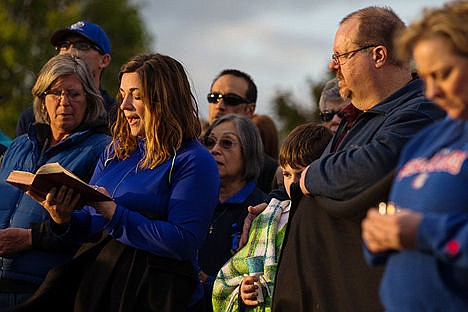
<point>213,223</point>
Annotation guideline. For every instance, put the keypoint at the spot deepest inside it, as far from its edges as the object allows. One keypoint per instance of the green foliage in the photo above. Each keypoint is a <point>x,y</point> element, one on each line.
<point>25,44</point>
<point>292,113</point>
<point>127,33</point>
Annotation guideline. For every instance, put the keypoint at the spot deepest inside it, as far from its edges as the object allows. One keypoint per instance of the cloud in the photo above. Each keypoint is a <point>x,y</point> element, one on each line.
<point>279,43</point>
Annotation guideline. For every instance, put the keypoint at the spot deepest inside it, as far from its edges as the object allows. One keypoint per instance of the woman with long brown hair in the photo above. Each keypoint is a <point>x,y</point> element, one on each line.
<point>159,216</point>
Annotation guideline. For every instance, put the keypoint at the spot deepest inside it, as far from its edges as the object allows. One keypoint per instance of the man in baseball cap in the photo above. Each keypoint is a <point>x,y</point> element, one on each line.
<point>93,34</point>
<point>89,42</point>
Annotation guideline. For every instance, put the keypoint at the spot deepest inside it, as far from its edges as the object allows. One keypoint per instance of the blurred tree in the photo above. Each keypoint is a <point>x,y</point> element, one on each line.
<point>27,26</point>
<point>291,113</point>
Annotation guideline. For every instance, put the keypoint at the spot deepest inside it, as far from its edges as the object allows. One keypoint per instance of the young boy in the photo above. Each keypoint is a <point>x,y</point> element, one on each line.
<point>233,287</point>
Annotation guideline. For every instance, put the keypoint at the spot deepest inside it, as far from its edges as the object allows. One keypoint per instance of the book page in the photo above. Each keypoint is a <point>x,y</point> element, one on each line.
<point>56,168</point>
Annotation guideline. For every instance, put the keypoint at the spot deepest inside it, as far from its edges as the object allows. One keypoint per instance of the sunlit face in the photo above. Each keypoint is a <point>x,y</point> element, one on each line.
<point>445,75</point>
<point>227,151</point>
<point>354,72</point>
<point>66,111</point>
<point>290,176</point>
<point>229,84</point>
<point>132,103</point>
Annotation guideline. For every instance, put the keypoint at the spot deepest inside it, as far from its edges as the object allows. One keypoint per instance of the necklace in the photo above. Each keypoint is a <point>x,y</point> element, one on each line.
<point>213,223</point>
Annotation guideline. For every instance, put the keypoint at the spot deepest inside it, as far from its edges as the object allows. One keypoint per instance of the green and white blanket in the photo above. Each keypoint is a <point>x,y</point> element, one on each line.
<point>265,239</point>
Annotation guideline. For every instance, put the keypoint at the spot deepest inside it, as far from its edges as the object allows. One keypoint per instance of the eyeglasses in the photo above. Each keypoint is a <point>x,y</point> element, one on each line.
<point>57,94</point>
<point>328,115</point>
<point>79,45</point>
<point>336,57</point>
<point>230,99</point>
<point>225,143</point>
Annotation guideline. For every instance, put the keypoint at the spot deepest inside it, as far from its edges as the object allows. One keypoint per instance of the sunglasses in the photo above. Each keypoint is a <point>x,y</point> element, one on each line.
<point>328,115</point>
<point>79,45</point>
<point>230,99</point>
<point>225,143</point>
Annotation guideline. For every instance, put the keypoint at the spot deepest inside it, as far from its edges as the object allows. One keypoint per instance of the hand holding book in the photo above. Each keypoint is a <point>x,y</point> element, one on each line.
<point>61,203</point>
<point>59,191</point>
<point>54,175</point>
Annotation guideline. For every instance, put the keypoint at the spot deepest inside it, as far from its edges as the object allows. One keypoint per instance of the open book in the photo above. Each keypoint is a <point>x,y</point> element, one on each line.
<point>54,175</point>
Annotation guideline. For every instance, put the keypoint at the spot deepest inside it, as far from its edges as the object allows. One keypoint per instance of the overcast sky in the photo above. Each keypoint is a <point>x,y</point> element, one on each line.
<point>281,44</point>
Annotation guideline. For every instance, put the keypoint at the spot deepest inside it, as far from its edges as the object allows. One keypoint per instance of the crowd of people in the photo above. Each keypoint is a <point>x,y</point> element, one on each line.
<point>363,211</point>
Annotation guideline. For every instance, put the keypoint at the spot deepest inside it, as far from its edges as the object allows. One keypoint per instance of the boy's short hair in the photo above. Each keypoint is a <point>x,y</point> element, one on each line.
<point>304,144</point>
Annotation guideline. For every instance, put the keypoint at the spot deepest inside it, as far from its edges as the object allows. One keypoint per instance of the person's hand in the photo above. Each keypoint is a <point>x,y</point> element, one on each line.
<point>254,211</point>
<point>248,290</point>
<point>13,240</point>
<point>105,208</point>
<point>59,204</point>
<point>304,189</point>
<point>202,276</point>
<point>384,232</point>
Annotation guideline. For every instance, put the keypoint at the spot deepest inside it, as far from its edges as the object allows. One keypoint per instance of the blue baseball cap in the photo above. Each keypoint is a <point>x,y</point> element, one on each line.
<point>90,31</point>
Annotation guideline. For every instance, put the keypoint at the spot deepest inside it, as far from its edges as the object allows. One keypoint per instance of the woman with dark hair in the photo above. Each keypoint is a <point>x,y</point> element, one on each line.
<point>422,233</point>
<point>159,216</point>
<point>268,133</point>
<point>236,145</point>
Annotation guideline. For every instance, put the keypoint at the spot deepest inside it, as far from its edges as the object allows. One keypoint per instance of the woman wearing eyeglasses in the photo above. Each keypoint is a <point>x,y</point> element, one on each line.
<point>236,145</point>
<point>422,235</point>
<point>331,104</point>
<point>70,129</point>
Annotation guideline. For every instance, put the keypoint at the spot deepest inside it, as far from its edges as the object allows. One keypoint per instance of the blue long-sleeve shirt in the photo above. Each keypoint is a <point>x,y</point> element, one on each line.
<point>165,210</point>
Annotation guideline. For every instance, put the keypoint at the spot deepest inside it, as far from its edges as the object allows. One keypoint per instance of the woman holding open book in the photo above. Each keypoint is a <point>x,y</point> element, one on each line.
<point>164,186</point>
<point>70,129</point>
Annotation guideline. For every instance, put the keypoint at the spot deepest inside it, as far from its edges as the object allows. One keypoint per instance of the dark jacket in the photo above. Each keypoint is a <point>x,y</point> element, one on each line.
<point>223,235</point>
<point>373,144</point>
<point>265,179</point>
<point>322,261</point>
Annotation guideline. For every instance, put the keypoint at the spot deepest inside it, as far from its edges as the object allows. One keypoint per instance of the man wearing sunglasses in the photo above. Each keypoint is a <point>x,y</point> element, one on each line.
<point>234,92</point>
<point>90,42</point>
<point>330,104</point>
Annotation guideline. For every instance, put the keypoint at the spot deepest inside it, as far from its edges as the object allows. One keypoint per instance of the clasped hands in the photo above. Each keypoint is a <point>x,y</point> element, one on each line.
<point>390,231</point>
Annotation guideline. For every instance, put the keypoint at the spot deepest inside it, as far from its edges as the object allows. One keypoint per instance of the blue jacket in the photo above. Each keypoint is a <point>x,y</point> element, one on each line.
<point>165,211</point>
<point>373,144</point>
<point>79,153</point>
<point>432,178</point>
